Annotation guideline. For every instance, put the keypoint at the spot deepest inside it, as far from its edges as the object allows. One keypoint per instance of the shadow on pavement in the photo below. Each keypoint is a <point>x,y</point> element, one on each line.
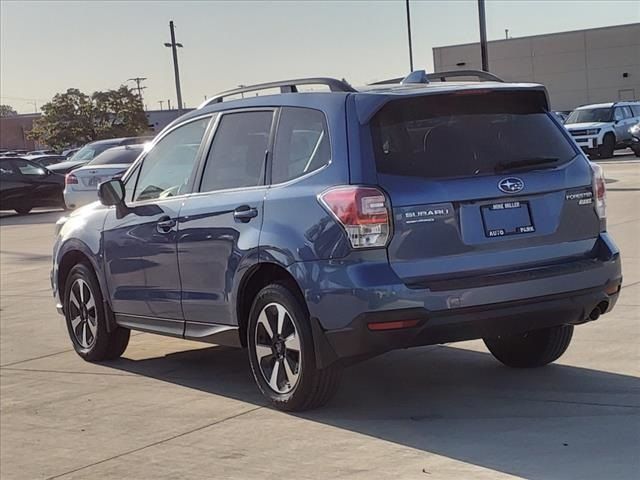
<point>554,422</point>
<point>35,217</point>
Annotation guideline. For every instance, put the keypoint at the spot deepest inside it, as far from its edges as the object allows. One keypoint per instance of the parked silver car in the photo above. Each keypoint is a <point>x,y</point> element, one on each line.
<point>81,185</point>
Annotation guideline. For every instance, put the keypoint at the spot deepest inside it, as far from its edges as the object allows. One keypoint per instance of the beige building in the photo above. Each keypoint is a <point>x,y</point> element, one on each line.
<point>578,68</point>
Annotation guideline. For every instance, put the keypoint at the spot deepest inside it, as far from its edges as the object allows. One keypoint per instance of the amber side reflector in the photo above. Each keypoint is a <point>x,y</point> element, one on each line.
<point>393,325</point>
<point>611,289</point>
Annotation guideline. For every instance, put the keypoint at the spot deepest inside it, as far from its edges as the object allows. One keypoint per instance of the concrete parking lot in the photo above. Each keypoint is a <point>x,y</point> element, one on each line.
<point>176,409</point>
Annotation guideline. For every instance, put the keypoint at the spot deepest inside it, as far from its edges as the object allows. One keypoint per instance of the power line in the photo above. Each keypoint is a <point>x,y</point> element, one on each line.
<point>138,81</point>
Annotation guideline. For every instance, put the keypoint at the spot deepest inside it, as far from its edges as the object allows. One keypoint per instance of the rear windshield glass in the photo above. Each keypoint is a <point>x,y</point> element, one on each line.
<point>457,135</point>
<point>117,156</point>
<point>590,115</point>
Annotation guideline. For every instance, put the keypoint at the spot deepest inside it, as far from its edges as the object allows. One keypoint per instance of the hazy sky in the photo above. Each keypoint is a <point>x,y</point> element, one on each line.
<point>49,46</point>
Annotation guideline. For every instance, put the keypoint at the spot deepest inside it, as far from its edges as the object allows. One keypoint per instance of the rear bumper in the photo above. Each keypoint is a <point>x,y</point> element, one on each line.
<point>344,297</point>
<point>358,341</point>
<point>79,198</point>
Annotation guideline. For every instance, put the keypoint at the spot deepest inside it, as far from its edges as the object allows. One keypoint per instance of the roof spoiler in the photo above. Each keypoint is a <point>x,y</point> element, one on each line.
<point>420,76</point>
<point>285,86</point>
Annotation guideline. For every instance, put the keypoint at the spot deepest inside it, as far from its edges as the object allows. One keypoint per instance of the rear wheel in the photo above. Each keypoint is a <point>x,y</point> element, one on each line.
<point>531,349</point>
<point>86,318</point>
<point>23,210</point>
<point>281,352</point>
<point>608,146</point>
<point>636,150</point>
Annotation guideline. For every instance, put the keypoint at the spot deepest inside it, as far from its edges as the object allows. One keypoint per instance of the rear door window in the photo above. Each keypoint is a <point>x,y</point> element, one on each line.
<point>302,144</point>
<point>238,152</point>
<point>461,135</point>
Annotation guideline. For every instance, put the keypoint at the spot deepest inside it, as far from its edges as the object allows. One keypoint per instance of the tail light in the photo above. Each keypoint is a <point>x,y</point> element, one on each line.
<point>362,211</point>
<point>599,191</point>
<point>70,179</point>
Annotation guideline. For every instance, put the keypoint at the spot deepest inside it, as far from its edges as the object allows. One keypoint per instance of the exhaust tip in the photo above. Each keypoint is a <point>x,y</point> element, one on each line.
<point>595,313</point>
<point>603,306</point>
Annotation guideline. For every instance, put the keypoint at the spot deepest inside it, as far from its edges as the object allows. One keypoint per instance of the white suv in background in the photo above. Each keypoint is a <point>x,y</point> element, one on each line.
<point>600,129</point>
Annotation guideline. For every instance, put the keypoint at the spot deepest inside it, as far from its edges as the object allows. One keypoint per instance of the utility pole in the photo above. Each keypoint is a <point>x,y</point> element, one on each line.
<point>138,81</point>
<point>483,36</point>
<point>174,48</point>
<point>506,34</point>
<point>168,104</point>
<point>409,36</point>
<point>161,102</point>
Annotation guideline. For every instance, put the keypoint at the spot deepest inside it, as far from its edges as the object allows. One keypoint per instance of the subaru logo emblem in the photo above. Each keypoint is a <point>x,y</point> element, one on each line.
<point>511,185</point>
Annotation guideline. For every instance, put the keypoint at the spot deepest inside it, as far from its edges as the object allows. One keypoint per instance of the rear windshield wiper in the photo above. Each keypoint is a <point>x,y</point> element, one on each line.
<point>502,166</point>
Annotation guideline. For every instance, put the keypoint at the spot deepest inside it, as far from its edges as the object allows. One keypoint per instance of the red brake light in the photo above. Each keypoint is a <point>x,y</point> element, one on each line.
<point>70,179</point>
<point>362,211</point>
<point>599,190</point>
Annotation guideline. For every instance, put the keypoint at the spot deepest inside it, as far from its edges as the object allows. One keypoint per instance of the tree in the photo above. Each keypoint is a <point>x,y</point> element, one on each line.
<point>7,111</point>
<point>74,118</point>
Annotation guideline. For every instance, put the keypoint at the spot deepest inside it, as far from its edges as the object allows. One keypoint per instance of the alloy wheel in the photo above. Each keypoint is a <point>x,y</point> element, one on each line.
<point>277,345</point>
<point>83,315</point>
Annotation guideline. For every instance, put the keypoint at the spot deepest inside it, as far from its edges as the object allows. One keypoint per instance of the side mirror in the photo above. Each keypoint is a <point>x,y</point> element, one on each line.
<point>111,192</point>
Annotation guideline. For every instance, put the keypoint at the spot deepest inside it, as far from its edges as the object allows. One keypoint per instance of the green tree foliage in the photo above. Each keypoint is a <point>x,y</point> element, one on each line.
<point>74,118</point>
<point>7,111</point>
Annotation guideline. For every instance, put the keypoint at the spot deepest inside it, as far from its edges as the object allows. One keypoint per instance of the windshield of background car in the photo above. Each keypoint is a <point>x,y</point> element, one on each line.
<point>89,152</point>
<point>115,156</point>
<point>589,115</point>
<point>463,134</point>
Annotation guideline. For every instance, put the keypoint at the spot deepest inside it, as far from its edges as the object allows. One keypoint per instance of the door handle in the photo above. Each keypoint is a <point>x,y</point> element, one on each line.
<point>165,224</point>
<point>244,213</point>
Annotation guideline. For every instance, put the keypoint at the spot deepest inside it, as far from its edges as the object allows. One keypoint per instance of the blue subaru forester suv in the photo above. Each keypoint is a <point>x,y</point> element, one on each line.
<point>320,228</point>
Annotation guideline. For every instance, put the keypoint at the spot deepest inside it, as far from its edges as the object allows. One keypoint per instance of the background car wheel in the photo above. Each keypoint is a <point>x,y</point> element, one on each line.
<point>23,210</point>
<point>281,352</point>
<point>608,146</point>
<point>636,150</point>
<point>86,318</point>
<point>531,349</point>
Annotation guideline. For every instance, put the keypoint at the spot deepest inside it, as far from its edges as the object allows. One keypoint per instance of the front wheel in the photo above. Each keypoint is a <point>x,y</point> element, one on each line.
<point>281,352</point>
<point>608,146</point>
<point>636,150</point>
<point>86,318</point>
<point>532,349</point>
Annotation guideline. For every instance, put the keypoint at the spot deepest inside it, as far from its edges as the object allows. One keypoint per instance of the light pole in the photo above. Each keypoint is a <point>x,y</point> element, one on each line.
<point>409,36</point>
<point>174,48</point>
<point>483,36</point>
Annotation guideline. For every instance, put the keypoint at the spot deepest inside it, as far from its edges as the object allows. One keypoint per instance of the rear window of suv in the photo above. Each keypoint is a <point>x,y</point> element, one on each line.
<point>467,134</point>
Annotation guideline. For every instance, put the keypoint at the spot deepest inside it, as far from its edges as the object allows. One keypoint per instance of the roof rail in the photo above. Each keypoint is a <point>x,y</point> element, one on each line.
<point>442,76</point>
<point>286,86</point>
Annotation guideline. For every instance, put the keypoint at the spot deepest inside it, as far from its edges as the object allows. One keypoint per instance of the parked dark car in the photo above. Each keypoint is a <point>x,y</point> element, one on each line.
<point>318,229</point>
<point>42,152</point>
<point>45,160</point>
<point>92,150</point>
<point>25,185</point>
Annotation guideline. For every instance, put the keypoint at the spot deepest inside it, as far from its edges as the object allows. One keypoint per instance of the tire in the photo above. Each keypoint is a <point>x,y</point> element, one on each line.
<point>298,384</point>
<point>636,150</point>
<point>86,318</point>
<point>608,146</point>
<point>531,349</point>
<point>23,210</point>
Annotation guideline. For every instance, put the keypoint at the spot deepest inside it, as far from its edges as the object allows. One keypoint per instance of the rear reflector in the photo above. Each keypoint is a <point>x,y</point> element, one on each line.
<point>393,325</point>
<point>612,289</point>
<point>362,211</point>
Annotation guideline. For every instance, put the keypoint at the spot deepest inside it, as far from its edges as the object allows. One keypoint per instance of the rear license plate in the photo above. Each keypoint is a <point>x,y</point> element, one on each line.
<point>507,218</point>
<point>94,181</point>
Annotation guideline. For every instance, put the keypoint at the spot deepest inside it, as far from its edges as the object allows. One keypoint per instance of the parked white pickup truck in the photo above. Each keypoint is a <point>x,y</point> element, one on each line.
<point>600,129</point>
